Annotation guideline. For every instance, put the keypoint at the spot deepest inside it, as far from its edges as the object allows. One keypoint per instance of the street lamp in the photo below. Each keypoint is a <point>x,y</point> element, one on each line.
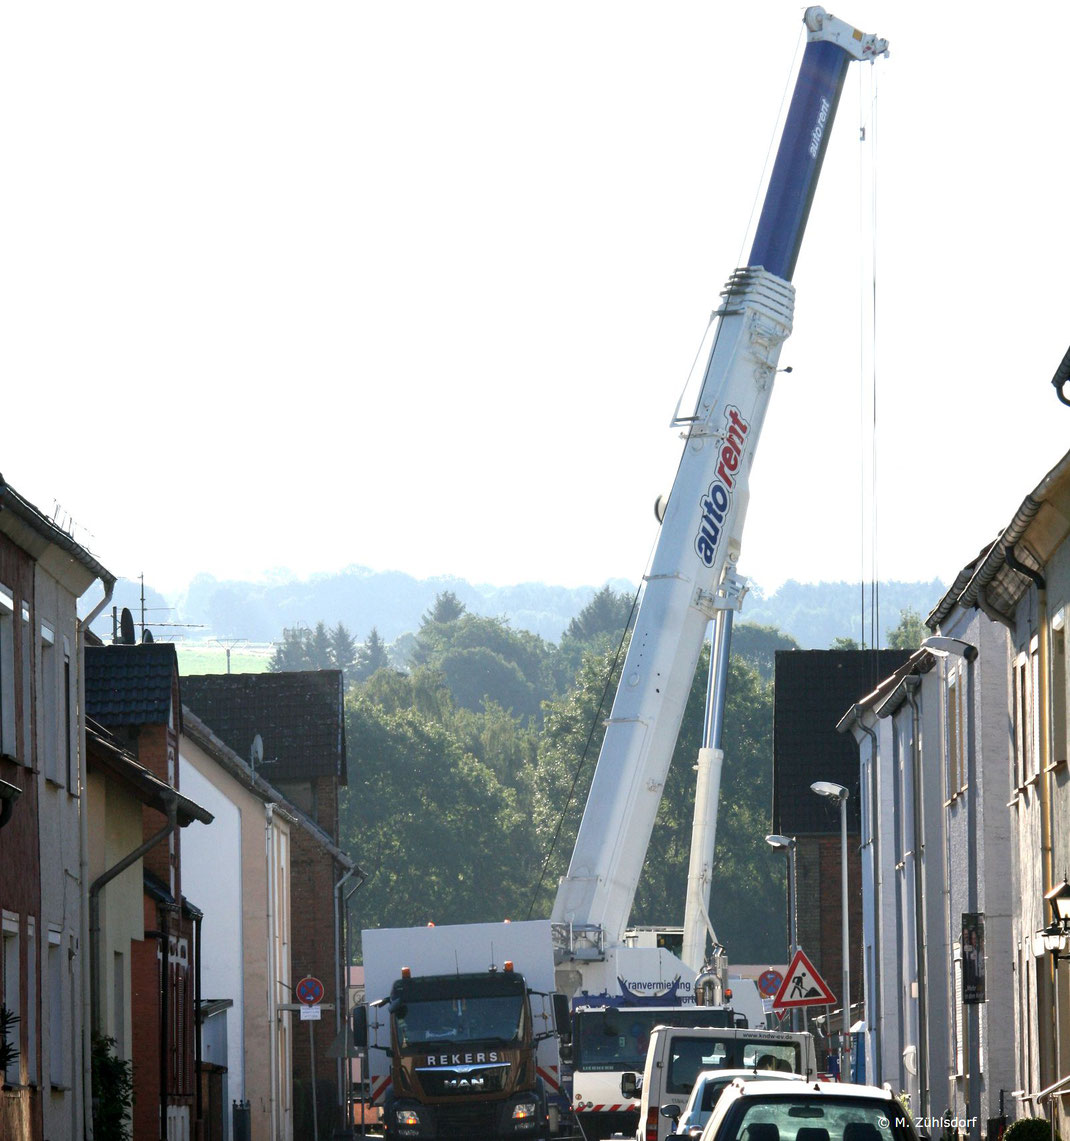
<point>787,844</point>
<point>838,792</point>
<point>1055,935</point>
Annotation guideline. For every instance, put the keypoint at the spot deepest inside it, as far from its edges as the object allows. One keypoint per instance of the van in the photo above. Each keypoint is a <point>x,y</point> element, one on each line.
<point>677,1055</point>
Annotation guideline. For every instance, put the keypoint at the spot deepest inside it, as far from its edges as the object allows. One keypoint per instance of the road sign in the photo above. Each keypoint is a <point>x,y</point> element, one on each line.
<point>309,990</point>
<point>770,982</point>
<point>803,986</point>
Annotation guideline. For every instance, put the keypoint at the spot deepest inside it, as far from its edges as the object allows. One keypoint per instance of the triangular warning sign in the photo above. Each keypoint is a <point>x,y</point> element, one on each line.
<point>802,986</point>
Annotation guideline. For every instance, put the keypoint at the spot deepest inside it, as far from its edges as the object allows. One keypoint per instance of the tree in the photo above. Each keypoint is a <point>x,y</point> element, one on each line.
<point>371,656</point>
<point>844,644</point>
<point>444,839</point>
<point>293,652</point>
<point>911,631</point>
<point>447,608</point>
<point>319,649</point>
<point>343,651</point>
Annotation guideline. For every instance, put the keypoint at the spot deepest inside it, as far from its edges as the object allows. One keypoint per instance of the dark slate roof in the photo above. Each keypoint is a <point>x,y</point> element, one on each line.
<point>130,685</point>
<point>812,691</point>
<point>300,718</point>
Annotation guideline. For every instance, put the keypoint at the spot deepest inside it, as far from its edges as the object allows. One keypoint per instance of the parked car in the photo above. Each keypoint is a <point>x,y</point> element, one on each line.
<point>707,1089</point>
<point>807,1111</point>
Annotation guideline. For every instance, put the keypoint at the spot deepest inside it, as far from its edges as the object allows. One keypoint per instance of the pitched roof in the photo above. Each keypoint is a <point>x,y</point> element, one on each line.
<point>105,754</point>
<point>299,716</point>
<point>130,685</point>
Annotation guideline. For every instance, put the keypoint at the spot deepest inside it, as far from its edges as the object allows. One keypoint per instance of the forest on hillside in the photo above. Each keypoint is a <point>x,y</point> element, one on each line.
<point>469,770</point>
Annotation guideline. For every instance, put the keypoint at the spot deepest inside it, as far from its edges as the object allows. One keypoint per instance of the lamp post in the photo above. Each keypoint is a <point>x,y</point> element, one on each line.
<point>838,792</point>
<point>787,844</point>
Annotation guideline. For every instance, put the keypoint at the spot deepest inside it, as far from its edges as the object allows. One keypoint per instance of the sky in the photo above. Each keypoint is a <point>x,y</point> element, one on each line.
<point>417,286</point>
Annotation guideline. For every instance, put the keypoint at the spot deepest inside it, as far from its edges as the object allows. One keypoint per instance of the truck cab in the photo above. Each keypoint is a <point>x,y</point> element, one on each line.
<point>463,1057</point>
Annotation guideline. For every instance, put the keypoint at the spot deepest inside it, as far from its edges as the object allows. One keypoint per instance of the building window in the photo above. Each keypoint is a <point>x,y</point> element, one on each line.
<point>1022,735</point>
<point>956,735</point>
<point>119,1003</point>
<point>1034,710</point>
<point>49,708</point>
<point>27,678</point>
<point>31,1000</point>
<point>7,672</point>
<point>68,704</point>
<point>957,1011</point>
<point>1058,688</point>
<point>12,993</point>
<point>57,1054</point>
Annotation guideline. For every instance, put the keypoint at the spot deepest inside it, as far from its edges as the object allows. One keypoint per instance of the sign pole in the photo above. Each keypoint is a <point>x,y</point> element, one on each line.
<point>312,1056</point>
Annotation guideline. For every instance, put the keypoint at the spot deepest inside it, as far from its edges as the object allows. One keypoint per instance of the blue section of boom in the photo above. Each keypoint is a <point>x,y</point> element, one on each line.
<point>798,161</point>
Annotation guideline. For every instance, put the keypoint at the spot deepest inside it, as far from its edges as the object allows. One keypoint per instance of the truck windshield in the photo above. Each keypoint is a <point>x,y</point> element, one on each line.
<point>473,1019</point>
<point>616,1038</point>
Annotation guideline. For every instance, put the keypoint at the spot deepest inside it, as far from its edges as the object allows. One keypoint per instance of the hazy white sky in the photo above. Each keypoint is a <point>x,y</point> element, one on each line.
<point>417,285</point>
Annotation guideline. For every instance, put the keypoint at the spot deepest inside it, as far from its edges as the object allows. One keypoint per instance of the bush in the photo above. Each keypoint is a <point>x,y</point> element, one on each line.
<point>1030,1129</point>
<point>113,1092</point>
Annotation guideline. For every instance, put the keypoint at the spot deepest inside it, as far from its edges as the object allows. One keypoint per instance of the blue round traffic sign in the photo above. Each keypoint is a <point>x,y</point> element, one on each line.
<point>309,991</point>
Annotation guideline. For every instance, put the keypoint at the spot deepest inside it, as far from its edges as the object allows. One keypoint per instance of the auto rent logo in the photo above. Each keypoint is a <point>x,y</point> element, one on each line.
<point>716,502</point>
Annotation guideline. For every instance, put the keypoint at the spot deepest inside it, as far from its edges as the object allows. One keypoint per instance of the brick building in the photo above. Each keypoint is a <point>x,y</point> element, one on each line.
<point>43,970</point>
<point>812,689</point>
<point>297,722</point>
<point>133,691</point>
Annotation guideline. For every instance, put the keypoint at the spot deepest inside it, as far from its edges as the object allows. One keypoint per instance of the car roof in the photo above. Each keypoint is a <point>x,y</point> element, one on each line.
<point>747,1072</point>
<point>766,1086</point>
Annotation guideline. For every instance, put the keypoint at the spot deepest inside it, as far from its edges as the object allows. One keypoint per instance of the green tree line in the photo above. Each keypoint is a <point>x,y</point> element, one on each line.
<point>469,773</point>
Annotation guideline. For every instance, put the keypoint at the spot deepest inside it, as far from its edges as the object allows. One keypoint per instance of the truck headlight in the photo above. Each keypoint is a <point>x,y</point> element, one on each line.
<point>524,1113</point>
<point>408,1122</point>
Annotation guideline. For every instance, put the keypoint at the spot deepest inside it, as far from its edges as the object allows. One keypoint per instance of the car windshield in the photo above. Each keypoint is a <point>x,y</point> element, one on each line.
<point>804,1118</point>
<point>476,1019</point>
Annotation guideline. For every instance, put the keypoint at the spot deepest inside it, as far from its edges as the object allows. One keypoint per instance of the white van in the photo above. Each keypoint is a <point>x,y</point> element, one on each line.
<point>677,1055</point>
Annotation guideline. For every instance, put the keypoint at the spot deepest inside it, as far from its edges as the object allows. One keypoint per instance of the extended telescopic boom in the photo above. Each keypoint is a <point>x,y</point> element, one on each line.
<point>692,578</point>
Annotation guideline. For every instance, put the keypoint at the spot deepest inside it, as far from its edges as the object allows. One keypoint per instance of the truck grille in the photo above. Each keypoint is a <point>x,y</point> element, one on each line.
<point>469,1121</point>
<point>463,1081</point>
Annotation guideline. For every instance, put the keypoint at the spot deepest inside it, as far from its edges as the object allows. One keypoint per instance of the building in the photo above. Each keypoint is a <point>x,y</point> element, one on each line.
<point>133,692</point>
<point>291,726</point>
<point>121,796</point>
<point>241,871</point>
<point>44,970</point>
<point>963,755</point>
<point>812,687</point>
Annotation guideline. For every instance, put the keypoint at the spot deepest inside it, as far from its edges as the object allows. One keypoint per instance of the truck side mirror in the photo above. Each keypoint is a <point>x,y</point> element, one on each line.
<point>359,1025</point>
<point>562,1017</point>
<point>629,1084</point>
<point>672,1112</point>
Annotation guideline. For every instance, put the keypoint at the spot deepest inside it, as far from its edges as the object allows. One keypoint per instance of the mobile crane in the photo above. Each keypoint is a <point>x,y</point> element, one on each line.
<point>593,955</point>
<point>693,580</point>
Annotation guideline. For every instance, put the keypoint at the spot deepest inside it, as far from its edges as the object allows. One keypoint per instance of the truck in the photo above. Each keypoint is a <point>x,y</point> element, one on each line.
<point>693,581</point>
<point>462,1031</point>
<point>677,1055</point>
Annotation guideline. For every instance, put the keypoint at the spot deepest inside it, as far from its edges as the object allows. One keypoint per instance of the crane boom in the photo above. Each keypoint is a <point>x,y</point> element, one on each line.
<point>692,576</point>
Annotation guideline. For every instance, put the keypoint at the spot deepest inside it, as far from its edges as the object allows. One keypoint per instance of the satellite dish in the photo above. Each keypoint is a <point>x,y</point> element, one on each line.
<point>256,751</point>
<point>660,504</point>
<point>126,628</point>
<point>146,638</point>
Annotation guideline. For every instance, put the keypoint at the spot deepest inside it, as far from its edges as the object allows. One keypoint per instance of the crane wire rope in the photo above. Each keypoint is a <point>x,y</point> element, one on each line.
<point>867,357</point>
<point>611,674</point>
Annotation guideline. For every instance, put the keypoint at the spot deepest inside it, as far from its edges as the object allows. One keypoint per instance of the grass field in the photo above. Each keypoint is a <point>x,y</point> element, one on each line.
<point>211,658</point>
